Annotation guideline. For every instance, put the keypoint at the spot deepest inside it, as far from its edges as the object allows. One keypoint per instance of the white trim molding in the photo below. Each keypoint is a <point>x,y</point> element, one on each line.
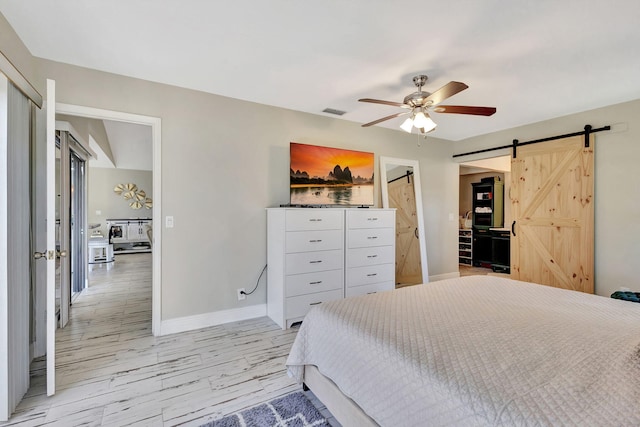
<point>5,409</point>
<point>205,320</point>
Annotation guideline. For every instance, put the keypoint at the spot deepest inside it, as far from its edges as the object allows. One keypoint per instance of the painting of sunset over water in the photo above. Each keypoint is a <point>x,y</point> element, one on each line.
<point>330,176</point>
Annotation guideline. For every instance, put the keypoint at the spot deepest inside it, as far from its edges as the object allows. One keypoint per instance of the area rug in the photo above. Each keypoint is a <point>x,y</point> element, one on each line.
<point>292,410</point>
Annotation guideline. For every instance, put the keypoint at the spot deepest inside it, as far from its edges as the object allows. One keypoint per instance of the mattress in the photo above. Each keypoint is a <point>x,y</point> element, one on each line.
<point>479,350</point>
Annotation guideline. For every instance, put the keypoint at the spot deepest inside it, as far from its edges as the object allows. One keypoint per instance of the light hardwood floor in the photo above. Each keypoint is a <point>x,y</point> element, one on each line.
<point>111,371</point>
<point>467,270</point>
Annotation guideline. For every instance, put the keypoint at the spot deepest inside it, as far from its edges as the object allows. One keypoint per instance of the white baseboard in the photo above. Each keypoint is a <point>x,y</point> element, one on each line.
<point>444,276</point>
<point>199,321</point>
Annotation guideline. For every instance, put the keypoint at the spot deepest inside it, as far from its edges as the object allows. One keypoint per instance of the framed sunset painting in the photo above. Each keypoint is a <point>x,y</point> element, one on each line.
<point>325,176</point>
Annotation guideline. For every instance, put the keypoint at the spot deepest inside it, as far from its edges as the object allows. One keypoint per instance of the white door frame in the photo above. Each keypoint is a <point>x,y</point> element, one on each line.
<point>51,319</point>
<point>156,128</point>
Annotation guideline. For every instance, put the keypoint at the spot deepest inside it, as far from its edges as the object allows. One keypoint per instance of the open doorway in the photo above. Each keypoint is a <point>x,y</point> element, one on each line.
<point>87,315</point>
<point>109,188</point>
<point>485,216</point>
<point>129,161</point>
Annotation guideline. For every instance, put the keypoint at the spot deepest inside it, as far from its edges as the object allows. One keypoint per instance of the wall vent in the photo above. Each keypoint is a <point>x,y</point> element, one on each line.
<point>333,111</point>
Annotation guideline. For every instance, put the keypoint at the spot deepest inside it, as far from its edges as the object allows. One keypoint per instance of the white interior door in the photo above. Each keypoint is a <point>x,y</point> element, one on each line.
<point>51,238</point>
<point>63,223</point>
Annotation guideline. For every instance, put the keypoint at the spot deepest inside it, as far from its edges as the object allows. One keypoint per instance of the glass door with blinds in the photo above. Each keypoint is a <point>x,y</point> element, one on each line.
<point>78,254</point>
<point>71,215</point>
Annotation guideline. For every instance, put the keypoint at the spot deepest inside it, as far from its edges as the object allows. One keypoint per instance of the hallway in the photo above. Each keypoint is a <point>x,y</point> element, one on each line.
<point>111,371</point>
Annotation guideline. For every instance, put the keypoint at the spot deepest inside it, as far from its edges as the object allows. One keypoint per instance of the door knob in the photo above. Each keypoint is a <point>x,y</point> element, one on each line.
<point>61,254</point>
<point>44,254</point>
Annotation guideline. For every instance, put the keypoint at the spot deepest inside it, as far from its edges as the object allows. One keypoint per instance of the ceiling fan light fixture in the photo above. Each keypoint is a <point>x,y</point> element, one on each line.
<point>418,103</point>
<point>407,125</point>
<point>431,125</point>
<point>420,120</point>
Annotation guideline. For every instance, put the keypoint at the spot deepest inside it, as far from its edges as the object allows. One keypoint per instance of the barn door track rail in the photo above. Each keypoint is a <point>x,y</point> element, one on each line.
<point>588,130</point>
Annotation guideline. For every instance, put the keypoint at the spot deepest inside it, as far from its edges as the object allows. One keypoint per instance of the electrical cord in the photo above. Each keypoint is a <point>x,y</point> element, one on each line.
<point>257,282</point>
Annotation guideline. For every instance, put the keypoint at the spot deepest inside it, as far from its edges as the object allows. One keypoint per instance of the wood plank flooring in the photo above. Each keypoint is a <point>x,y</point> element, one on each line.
<point>467,270</point>
<point>112,372</point>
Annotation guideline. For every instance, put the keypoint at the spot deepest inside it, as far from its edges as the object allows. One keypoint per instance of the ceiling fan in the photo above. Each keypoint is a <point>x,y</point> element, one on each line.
<point>420,103</point>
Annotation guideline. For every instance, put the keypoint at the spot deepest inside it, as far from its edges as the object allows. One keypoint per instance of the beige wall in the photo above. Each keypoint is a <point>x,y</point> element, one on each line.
<point>218,175</point>
<point>617,205</point>
<point>15,50</point>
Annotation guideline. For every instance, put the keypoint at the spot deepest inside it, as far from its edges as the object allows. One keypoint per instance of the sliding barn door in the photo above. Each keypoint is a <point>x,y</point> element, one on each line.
<point>402,197</point>
<point>552,205</point>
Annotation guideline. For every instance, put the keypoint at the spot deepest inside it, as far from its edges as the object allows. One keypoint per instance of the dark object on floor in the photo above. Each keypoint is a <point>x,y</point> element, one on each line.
<point>291,410</point>
<point>627,296</point>
<point>114,231</point>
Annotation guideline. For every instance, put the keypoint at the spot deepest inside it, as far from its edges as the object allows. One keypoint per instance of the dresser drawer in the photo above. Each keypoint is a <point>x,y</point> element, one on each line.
<point>358,276</point>
<point>369,289</point>
<point>306,241</point>
<point>367,237</point>
<point>360,257</point>
<point>307,262</point>
<point>299,306</point>
<point>320,281</point>
<point>365,218</point>
<point>314,219</point>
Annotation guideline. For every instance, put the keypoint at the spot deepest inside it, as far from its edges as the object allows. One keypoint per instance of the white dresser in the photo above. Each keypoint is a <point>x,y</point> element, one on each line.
<point>308,264</point>
<point>370,251</point>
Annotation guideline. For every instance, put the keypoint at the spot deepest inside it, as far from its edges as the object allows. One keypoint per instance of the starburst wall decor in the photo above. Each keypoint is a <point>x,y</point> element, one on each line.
<point>138,198</point>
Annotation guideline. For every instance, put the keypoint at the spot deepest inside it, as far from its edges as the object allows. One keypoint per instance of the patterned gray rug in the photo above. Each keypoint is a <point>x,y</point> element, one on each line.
<point>292,410</point>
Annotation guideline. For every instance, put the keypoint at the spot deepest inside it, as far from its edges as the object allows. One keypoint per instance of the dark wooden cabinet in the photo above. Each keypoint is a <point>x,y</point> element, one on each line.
<point>488,209</point>
<point>488,203</point>
<point>482,247</point>
<point>501,250</point>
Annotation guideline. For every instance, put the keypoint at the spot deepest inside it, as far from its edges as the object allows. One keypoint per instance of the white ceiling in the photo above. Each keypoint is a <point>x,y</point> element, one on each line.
<point>532,60</point>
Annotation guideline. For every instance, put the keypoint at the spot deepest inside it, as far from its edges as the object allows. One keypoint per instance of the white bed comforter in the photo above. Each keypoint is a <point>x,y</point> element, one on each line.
<point>479,350</point>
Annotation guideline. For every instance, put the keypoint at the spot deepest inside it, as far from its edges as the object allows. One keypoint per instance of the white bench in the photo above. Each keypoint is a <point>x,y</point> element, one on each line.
<point>100,252</point>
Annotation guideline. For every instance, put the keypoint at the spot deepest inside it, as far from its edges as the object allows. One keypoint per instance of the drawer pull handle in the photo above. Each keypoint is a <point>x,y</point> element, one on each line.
<point>372,256</point>
<point>372,237</point>
<point>315,283</point>
<point>315,219</point>
<point>370,293</point>
<point>316,303</point>
<point>315,240</point>
<point>372,274</point>
<point>315,262</point>
<point>372,219</point>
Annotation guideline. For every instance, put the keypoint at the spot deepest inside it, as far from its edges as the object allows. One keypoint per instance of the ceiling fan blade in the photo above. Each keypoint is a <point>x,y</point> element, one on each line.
<point>379,101</point>
<point>463,109</point>
<point>445,92</point>
<point>375,122</point>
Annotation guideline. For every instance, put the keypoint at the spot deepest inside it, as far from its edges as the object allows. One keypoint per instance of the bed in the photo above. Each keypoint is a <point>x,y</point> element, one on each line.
<point>478,350</point>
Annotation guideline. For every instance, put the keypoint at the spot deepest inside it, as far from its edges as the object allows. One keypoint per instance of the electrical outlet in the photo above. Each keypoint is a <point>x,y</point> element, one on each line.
<point>241,294</point>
